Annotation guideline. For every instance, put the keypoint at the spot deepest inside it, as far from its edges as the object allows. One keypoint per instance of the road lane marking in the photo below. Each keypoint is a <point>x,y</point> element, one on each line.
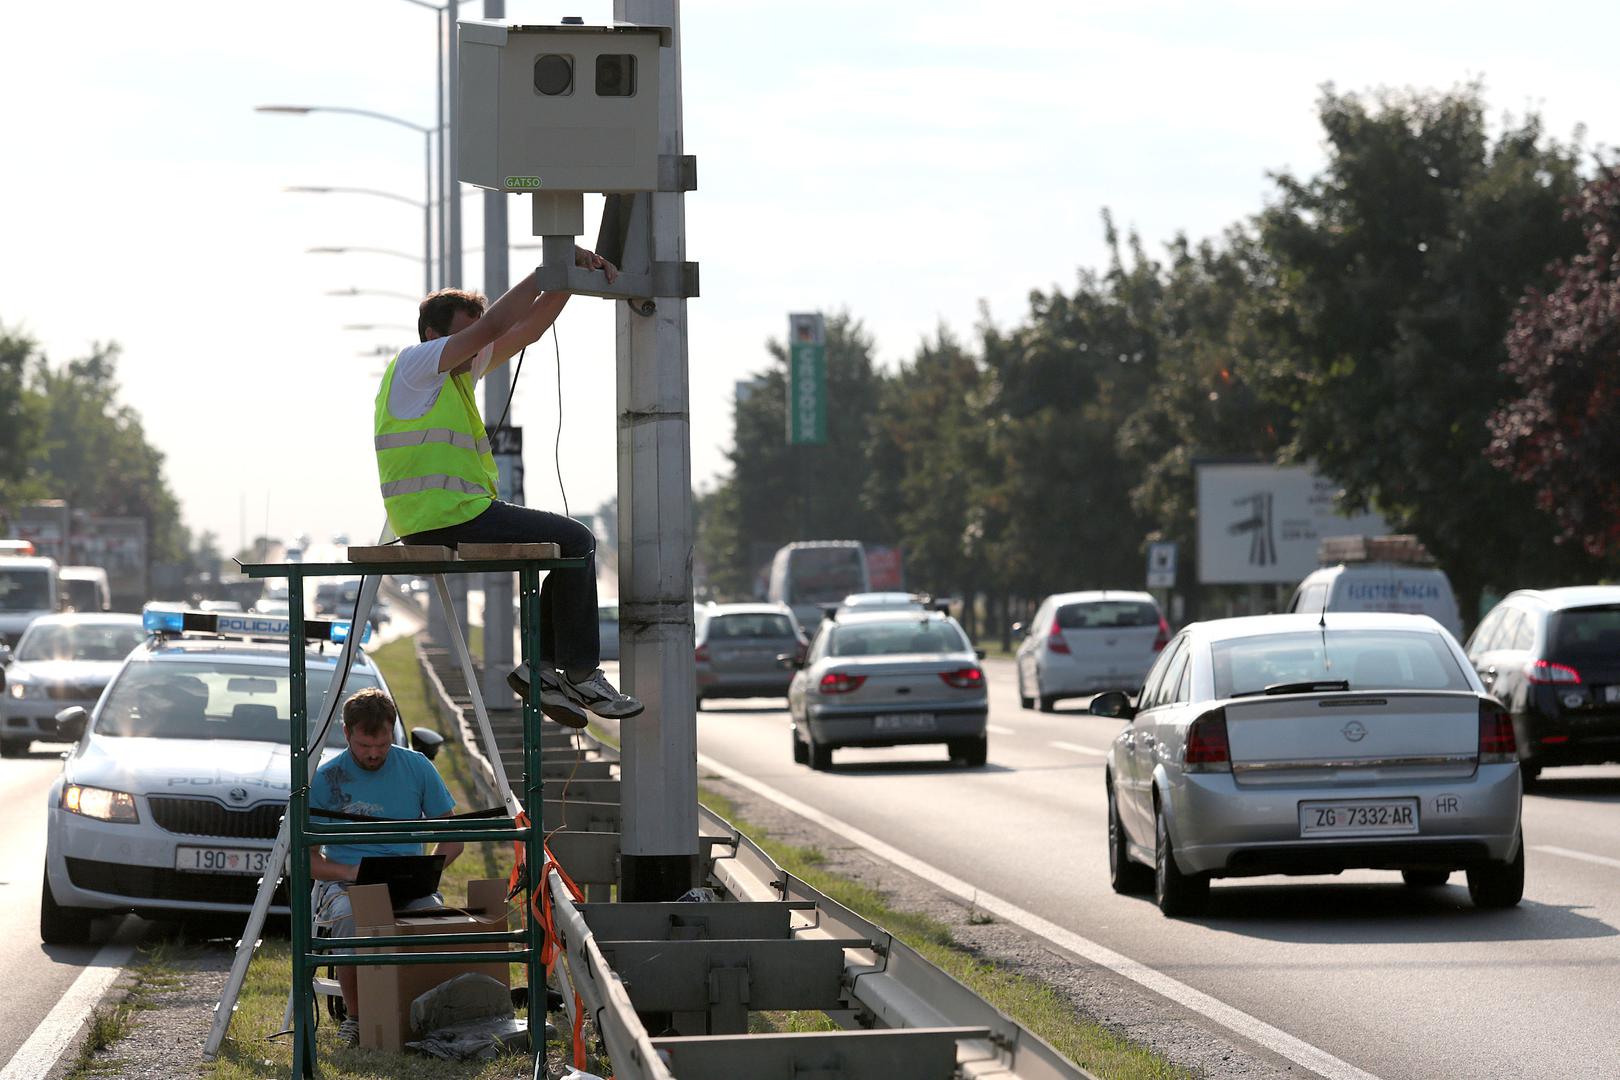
<point>997,729</point>
<point>1076,748</point>
<point>1601,860</point>
<point>37,1056</point>
<point>1274,1039</point>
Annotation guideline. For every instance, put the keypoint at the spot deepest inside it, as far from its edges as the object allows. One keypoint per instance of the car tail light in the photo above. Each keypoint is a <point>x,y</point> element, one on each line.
<point>839,682</point>
<point>1545,672</point>
<point>968,678</point>
<point>1163,637</point>
<point>1206,749</point>
<point>1054,638</point>
<point>701,654</point>
<point>1555,740</point>
<point>1496,744</point>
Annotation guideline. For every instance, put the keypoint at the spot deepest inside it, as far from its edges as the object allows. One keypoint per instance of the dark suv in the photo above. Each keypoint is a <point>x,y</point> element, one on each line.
<point>1552,656</point>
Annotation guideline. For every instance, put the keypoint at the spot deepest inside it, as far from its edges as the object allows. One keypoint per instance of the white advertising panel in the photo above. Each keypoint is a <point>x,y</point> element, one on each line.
<point>1261,524</point>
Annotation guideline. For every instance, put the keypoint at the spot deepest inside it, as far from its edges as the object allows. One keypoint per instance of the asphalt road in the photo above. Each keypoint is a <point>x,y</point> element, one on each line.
<point>1399,982</point>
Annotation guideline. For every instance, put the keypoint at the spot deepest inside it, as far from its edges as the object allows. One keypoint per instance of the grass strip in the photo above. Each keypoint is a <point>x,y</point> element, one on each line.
<point>1037,1006</point>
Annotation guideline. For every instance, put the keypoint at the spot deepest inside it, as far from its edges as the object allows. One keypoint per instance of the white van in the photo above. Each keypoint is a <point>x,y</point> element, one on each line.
<point>28,589</point>
<point>85,588</point>
<point>1386,573</point>
<point>811,573</point>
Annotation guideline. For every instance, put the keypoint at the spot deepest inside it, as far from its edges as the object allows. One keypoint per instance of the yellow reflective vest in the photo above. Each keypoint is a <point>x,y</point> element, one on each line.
<point>436,470</point>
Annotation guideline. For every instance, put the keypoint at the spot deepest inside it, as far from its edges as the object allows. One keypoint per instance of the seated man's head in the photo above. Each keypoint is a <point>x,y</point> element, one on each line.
<point>447,312</point>
<point>368,725</point>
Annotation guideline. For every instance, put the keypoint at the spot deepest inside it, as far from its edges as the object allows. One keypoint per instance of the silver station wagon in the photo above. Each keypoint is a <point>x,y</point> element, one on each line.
<point>1312,744</point>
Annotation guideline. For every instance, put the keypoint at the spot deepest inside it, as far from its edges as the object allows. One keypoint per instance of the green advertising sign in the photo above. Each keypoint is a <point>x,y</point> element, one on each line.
<point>807,381</point>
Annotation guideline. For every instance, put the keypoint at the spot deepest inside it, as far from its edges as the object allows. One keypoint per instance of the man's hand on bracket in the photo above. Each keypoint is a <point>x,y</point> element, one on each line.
<point>590,260</point>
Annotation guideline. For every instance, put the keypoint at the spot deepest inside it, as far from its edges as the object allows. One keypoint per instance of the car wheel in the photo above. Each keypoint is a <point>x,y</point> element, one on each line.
<point>1048,703</point>
<point>1425,879</point>
<point>1176,893</point>
<point>1529,774</point>
<point>61,925</point>
<point>13,747</point>
<point>1497,885</point>
<point>699,703</point>
<point>970,752</point>
<point>1024,700</point>
<point>819,754</point>
<point>1124,875</point>
<point>801,753</point>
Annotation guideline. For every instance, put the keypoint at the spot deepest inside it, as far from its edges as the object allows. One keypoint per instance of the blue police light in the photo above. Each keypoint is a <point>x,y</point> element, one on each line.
<point>159,621</point>
<point>340,632</point>
<point>167,620</point>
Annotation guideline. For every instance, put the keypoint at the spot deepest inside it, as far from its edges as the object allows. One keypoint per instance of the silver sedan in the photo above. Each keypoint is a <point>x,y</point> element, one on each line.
<point>888,679</point>
<point>1293,744</point>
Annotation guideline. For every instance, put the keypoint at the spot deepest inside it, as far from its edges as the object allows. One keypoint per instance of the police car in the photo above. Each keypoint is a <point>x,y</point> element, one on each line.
<point>170,802</point>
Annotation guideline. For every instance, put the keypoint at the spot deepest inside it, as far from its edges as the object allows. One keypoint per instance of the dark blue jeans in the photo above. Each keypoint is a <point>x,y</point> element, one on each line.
<point>568,631</point>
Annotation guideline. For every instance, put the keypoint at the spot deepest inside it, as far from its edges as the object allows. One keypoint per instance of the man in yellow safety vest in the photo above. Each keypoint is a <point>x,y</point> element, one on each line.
<point>438,477</point>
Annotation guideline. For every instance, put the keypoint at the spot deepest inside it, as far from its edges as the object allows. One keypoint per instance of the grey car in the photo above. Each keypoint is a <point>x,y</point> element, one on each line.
<point>736,648</point>
<point>889,679</point>
<point>61,661</point>
<point>1294,744</point>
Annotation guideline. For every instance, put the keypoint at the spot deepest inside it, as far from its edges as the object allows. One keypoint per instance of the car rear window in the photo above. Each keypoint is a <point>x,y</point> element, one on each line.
<point>1099,614</point>
<point>1588,633</point>
<point>755,625</point>
<point>1367,659</point>
<point>63,641</point>
<point>212,700</point>
<point>896,639</point>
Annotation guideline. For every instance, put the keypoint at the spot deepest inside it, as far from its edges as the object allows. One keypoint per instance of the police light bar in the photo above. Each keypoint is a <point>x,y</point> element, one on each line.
<point>160,620</point>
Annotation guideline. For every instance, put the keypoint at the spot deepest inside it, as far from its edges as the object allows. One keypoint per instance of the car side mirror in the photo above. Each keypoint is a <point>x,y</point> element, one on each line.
<point>5,655</point>
<point>71,721</point>
<point>979,653</point>
<point>426,741</point>
<point>1018,630</point>
<point>788,662</point>
<point>1114,704</point>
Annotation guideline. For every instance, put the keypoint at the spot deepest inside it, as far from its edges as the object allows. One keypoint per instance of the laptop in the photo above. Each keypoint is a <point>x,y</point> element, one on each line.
<point>408,877</point>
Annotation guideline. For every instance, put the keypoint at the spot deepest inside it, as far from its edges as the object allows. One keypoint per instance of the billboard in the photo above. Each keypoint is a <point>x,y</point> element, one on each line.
<point>1260,524</point>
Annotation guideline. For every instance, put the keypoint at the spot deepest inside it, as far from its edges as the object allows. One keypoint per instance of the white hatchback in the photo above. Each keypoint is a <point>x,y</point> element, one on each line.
<point>1082,643</point>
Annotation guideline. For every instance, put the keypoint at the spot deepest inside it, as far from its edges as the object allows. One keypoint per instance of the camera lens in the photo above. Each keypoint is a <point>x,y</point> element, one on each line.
<point>615,75</point>
<point>554,74</point>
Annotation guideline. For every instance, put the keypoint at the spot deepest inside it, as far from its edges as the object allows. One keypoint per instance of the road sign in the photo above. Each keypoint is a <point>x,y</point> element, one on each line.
<point>807,380</point>
<point>506,443</point>
<point>1161,565</point>
<point>506,440</point>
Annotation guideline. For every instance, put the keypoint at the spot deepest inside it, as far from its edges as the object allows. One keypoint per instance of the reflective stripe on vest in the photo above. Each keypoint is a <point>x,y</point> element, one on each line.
<point>397,439</point>
<point>435,470</point>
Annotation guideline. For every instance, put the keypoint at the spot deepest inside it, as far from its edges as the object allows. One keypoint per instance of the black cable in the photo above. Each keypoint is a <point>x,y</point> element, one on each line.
<point>556,449</point>
<point>516,374</point>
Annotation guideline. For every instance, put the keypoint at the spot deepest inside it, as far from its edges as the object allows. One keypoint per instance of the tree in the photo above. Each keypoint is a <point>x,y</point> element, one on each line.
<point>1559,435</point>
<point>1398,267</point>
<point>21,421</point>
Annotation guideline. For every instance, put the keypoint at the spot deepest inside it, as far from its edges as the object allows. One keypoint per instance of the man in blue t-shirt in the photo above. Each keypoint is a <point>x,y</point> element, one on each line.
<point>375,779</point>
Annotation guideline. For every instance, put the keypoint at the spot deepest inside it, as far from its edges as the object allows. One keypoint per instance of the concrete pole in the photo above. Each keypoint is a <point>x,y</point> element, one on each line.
<point>444,171</point>
<point>452,253</point>
<point>498,589</point>
<point>659,748</point>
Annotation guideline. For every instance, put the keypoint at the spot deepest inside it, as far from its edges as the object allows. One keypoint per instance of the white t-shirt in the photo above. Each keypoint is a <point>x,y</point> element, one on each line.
<point>418,380</point>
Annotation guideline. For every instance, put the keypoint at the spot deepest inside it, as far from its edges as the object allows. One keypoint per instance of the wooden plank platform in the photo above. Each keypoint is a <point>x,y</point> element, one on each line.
<point>402,553</point>
<point>482,552</point>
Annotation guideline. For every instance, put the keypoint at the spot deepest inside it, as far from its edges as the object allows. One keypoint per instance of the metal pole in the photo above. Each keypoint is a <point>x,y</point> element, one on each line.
<point>497,391</point>
<point>444,169</point>
<point>427,216</point>
<point>452,187</point>
<point>659,752</point>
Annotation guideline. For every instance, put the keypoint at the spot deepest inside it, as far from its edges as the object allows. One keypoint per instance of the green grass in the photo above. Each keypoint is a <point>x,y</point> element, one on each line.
<point>154,972</point>
<point>1035,1005</point>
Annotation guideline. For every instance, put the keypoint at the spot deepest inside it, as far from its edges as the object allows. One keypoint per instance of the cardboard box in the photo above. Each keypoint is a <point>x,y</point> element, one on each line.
<point>386,992</point>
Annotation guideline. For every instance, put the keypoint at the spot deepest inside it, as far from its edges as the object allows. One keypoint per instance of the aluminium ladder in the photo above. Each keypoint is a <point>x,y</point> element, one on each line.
<point>298,833</point>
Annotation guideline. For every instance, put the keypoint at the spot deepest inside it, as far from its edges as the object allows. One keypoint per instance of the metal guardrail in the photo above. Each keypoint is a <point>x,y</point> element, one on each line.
<point>902,1017</point>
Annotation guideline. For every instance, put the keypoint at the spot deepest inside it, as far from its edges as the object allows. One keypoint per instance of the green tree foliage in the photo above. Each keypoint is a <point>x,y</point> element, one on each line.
<point>1398,267</point>
<point>76,442</point>
<point>1559,434</point>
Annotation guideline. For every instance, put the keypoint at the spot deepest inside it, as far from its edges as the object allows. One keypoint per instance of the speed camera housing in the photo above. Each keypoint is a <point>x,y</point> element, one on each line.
<point>559,108</point>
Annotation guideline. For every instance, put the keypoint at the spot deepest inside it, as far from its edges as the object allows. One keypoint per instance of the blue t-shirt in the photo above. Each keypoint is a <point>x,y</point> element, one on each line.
<point>407,787</point>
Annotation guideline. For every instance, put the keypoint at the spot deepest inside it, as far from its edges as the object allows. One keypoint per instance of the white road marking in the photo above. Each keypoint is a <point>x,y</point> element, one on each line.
<point>1076,748</point>
<point>1601,860</point>
<point>39,1054</point>
<point>1278,1041</point>
<point>997,729</point>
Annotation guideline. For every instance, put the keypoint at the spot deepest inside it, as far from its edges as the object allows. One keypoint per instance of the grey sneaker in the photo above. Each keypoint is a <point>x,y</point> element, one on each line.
<point>553,702</point>
<point>348,1032</point>
<point>595,693</point>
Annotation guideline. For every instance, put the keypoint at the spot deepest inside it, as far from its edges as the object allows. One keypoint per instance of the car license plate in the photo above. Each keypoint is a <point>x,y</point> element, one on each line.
<point>903,722</point>
<point>214,860</point>
<point>1611,694</point>
<point>1358,817</point>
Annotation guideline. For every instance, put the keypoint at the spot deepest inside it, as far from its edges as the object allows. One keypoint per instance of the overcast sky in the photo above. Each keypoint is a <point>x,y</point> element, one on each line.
<point>903,161</point>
